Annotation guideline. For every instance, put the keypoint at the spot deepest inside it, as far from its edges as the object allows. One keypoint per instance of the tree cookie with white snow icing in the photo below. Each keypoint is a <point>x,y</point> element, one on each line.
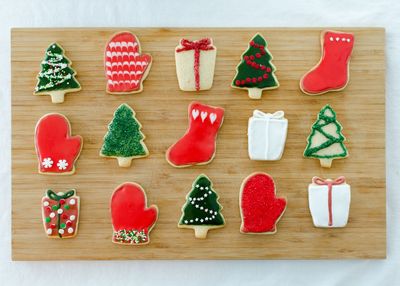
<point>202,210</point>
<point>124,139</point>
<point>125,66</point>
<point>326,141</point>
<point>56,77</point>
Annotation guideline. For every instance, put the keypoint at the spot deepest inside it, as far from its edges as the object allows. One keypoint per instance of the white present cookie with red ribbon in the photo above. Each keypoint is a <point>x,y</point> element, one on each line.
<point>329,202</point>
<point>267,135</point>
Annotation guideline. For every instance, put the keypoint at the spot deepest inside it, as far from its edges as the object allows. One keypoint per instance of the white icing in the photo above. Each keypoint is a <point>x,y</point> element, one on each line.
<point>125,63</point>
<point>318,203</point>
<point>60,211</point>
<point>267,135</point>
<point>213,117</point>
<point>331,38</point>
<point>121,73</point>
<point>203,115</point>
<point>52,215</point>
<point>49,231</point>
<point>121,54</point>
<point>122,44</point>
<point>117,82</point>
<point>70,230</point>
<point>45,203</point>
<point>195,114</point>
<point>72,202</point>
<point>62,164</point>
<point>61,231</point>
<point>47,163</point>
<point>72,217</point>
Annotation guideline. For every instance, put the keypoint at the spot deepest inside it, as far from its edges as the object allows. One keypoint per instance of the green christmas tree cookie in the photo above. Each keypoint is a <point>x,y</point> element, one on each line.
<point>202,210</point>
<point>56,77</point>
<point>325,141</point>
<point>256,72</point>
<point>124,140</point>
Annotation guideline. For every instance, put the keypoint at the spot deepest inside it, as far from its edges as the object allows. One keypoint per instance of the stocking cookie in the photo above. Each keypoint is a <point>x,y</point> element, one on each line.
<point>197,146</point>
<point>56,77</point>
<point>256,72</point>
<point>202,210</point>
<point>260,209</point>
<point>125,66</point>
<point>60,212</point>
<point>332,71</point>
<point>329,202</point>
<point>267,135</point>
<point>195,62</point>
<point>132,220</point>
<point>56,149</point>
<point>325,141</point>
<point>124,140</point>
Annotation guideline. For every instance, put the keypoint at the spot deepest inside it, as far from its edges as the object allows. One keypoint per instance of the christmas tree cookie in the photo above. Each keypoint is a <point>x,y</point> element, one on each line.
<point>125,66</point>
<point>202,210</point>
<point>256,72</point>
<point>332,71</point>
<point>325,141</point>
<point>56,149</point>
<point>56,77</point>
<point>132,220</point>
<point>60,212</point>
<point>260,208</point>
<point>124,140</point>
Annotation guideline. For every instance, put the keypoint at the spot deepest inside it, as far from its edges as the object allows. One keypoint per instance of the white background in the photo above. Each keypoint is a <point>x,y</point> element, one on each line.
<point>185,13</point>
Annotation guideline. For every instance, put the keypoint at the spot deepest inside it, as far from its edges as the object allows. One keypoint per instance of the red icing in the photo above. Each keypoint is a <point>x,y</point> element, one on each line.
<point>260,208</point>
<point>197,146</point>
<point>125,72</point>
<point>129,209</point>
<point>53,140</point>
<point>331,73</point>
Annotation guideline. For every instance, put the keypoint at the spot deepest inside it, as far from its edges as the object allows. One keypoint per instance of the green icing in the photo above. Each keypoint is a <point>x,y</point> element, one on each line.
<point>245,70</point>
<point>124,138</point>
<point>67,207</point>
<point>325,123</point>
<point>56,73</point>
<point>48,219</point>
<point>202,203</point>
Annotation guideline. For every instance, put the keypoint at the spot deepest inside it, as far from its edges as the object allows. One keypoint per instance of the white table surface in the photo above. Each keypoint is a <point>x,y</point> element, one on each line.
<point>186,13</point>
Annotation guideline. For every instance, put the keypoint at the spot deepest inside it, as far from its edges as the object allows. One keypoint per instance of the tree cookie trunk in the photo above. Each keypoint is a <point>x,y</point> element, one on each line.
<point>326,163</point>
<point>124,162</point>
<point>200,231</point>
<point>57,96</point>
<point>255,93</point>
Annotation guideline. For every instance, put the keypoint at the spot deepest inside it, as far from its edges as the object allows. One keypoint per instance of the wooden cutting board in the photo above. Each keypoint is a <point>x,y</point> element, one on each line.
<point>162,109</point>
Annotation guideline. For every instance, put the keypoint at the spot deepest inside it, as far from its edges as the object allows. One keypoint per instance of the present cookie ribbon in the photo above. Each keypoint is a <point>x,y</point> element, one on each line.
<point>200,45</point>
<point>268,116</point>
<point>318,181</point>
<point>55,197</point>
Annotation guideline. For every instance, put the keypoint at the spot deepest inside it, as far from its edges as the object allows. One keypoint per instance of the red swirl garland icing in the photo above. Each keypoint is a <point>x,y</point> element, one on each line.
<point>56,149</point>
<point>332,71</point>
<point>126,68</point>
<point>260,209</point>
<point>132,220</point>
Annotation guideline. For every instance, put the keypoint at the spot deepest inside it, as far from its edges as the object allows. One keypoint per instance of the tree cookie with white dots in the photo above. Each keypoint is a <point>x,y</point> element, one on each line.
<point>56,149</point>
<point>56,77</point>
<point>202,210</point>
<point>60,212</point>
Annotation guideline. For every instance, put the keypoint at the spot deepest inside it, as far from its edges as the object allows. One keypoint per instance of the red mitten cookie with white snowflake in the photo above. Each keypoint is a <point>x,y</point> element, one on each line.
<point>56,149</point>
<point>260,209</point>
<point>125,66</point>
<point>198,145</point>
<point>132,220</point>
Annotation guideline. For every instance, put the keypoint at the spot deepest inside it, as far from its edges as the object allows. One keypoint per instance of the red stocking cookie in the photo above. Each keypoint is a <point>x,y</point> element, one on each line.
<point>332,71</point>
<point>126,68</point>
<point>260,209</point>
<point>132,220</point>
<point>197,146</point>
<point>60,214</point>
<point>56,149</point>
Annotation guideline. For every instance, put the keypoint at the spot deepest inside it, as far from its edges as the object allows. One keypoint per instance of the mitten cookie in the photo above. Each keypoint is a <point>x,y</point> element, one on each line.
<point>56,149</point>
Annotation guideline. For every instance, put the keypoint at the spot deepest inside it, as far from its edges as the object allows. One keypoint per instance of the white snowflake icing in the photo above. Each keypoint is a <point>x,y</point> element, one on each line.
<point>45,203</point>
<point>186,221</point>
<point>49,231</point>
<point>52,215</point>
<point>197,186</point>
<point>196,219</point>
<point>70,230</point>
<point>62,164</point>
<point>72,202</point>
<point>72,217</point>
<point>47,163</point>
<point>206,188</point>
<point>61,231</point>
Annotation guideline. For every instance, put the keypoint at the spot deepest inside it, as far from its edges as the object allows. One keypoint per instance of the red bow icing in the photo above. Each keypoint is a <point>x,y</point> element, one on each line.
<point>328,182</point>
<point>200,45</point>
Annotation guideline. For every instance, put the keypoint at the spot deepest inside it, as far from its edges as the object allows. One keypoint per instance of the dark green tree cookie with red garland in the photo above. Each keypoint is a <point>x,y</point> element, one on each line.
<point>256,72</point>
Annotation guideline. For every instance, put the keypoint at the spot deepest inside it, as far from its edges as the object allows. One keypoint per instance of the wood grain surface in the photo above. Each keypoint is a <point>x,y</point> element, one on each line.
<point>162,109</point>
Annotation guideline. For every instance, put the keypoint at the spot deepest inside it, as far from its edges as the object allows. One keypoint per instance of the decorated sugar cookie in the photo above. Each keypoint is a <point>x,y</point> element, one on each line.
<point>255,71</point>
<point>56,149</point>
<point>197,146</point>
<point>56,77</point>
<point>125,66</point>
<point>202,210</point>
<point>260,208</point>
<point>267,135</point>
<point>332,71</point>
<point>195,63</point>
<point>60,212</point>
<point>325,141</point>
<point>132,220</point>
<point>124,140</point>
<point>329,202</point>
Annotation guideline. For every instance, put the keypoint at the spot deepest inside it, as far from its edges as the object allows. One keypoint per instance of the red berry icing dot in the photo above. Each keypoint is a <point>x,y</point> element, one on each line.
<point>268,69</point>
<point>248,79</point>
<point>256,45</point>
<point>62,201</point>
<point>237,82</point>
<point>53,226</point>
<point>243,82</point>
<point>259,78</point>
<point>68,223</point>
<point>252,43</point>
<point>246,58</point>
<point>262,67</point>
<point>254,79</point>
<point>252,57</point>
<point>258,55</point>
<point>248,62</point>
<point>265,75</point>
